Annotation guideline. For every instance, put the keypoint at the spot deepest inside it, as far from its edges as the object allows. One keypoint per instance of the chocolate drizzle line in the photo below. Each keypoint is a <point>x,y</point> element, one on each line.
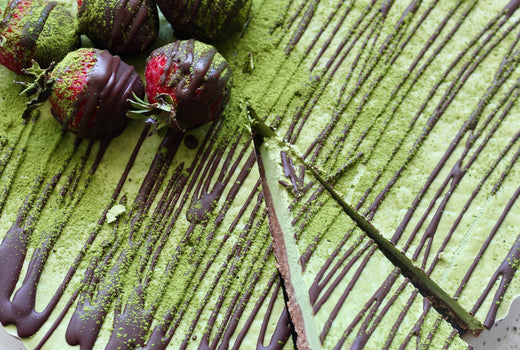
<point>177,212</point>
<point>366,71</point>
<point>34,324</point>
<point>230,259</point>
<point>304,23</point>
<point>339,62</point>
<point>10,165</point>
<point>480,186</point>
<point>247,167</point>
<point>19,308</point>
<point>127,35</point>
<point>258,230</point>
<point>148,229</point>
<point>94,305</point>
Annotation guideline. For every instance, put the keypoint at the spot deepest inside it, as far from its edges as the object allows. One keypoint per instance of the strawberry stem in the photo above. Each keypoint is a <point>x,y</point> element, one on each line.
<point>160,114</point>
<point>39,89</point>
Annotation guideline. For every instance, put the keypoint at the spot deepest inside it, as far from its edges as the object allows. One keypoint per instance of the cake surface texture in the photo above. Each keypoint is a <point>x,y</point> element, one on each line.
<point>226,237</point>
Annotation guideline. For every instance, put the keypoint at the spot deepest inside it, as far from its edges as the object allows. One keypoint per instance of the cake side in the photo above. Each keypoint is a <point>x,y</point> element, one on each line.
<point>357,297</point>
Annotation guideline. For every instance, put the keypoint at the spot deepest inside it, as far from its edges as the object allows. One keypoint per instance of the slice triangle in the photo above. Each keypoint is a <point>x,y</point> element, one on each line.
<point>338,281</point>
<point>411,112</point>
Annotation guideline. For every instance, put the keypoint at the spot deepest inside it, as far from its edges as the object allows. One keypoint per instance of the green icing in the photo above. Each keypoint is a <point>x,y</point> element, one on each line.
<point>261,71</point>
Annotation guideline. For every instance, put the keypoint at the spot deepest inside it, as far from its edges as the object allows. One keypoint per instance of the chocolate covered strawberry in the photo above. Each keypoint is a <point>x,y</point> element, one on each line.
<point>188,83</point>
<point>38,30</point>
<point>121,26</point>
<point>205,20</point>
<point>89,91</point>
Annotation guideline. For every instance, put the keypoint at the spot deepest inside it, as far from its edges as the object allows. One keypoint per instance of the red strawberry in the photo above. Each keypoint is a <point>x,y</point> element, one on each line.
<point>205,20</point>
<point>38,30</point>
<point>188,83</point>
<point>121,26</point>
<point>89,92</point>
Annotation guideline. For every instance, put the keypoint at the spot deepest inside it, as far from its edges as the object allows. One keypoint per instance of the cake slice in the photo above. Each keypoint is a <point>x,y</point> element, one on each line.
<point>410,110</point>
<point>321,288</point>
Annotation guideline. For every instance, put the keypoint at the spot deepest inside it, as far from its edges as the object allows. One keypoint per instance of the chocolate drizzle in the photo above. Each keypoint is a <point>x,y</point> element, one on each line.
<point>148,227</point>
<point>200,78</point>
<point>18,307</point>
<point>201,207</point>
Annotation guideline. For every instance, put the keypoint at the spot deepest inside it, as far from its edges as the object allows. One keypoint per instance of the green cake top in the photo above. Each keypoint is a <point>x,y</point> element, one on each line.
<point>406,107</point>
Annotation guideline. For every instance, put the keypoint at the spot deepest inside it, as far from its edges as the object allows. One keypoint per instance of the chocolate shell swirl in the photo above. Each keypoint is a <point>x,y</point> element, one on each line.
<point>198,77</point>
<point>205,20</point>
<point>103,102</point>
<point>121,26</point>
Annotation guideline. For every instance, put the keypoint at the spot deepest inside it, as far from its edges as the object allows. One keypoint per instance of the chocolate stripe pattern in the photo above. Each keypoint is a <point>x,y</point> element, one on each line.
<point>407,107</point>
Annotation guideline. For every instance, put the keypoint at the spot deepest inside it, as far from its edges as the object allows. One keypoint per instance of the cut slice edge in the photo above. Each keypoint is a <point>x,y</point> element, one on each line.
<point>454,313</point>
<point>298,305</point>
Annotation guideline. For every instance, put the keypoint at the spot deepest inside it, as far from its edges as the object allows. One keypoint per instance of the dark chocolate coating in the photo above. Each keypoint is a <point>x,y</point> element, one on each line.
<point>202,83</point>
<point>120,26</point>
<point>110,84</point>
<point>203,19</point>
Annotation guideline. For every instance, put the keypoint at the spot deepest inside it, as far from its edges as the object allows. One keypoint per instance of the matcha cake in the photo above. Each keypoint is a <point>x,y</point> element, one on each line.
<point>406,109</point>
<point>419,136</point>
